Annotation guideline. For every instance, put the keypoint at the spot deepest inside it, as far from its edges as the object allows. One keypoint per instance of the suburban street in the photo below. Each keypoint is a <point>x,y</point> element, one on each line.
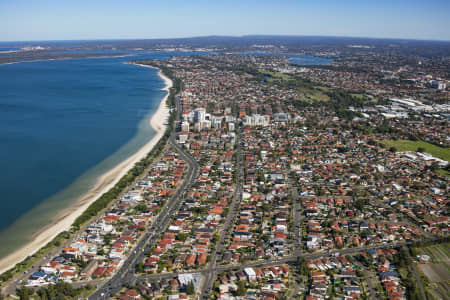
<point>227,226</point>
<point>292,259</point>
<point>126,272</point>
<point>296,212</point>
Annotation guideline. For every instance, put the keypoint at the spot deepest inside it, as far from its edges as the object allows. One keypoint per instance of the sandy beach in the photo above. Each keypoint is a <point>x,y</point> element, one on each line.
<point>64,220</point>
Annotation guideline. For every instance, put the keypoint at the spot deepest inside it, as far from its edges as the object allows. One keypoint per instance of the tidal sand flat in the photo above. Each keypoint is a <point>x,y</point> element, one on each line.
<point>59,120</point>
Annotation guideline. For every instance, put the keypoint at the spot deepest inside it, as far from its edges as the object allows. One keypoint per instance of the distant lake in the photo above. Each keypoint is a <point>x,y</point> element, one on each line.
<point>308,60</point>
<point>298,59</point>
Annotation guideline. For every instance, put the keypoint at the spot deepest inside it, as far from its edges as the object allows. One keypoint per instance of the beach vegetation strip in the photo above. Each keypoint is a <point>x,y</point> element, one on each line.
<point>31,260</point>
<point>134,173</point>
<point>421,146</point>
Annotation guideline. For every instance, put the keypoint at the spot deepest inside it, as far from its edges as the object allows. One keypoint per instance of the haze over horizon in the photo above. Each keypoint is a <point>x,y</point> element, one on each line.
<point>139,19</point>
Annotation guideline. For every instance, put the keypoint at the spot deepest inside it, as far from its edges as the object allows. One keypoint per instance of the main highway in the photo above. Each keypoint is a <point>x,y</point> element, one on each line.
<point>126,271</point>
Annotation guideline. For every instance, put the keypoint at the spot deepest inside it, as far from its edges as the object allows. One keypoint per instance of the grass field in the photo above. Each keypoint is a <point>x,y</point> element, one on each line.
<point>406,145</point>
<point>323,88</point>
<point>313,95</point>
<point>439,280</point>
<point>443,172</point>
<point>437,272</point>
<point>275,76</point>
<point>358,96</point>
<point>311,91</point>
<point>438,253</point>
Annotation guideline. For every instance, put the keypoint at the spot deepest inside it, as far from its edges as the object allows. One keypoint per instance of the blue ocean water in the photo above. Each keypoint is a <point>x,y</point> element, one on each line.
<point>60,118</point>
<point>63,123</point>
<point>5,49</point>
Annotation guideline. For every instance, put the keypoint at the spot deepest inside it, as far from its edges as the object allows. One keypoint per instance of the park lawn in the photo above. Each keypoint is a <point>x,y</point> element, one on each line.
<point>438,271</point>
<point>274,75</point>
<point>407,145</point>
<point>443,289</point>
<point>358,96</point>
<point>445,248</point>
<point>313,95</point>
<point>319,96</point>
<point>443,172</point>
<point>364,98</point>
<point>323,88</point>
<point>439,253</point>
<point>312,92</point>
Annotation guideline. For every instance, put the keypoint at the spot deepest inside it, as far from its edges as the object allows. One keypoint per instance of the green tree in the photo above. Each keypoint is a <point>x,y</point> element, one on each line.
<point>24,293</point>
<point>301,264</point>
<point>241,291</point>
<point>434,166</point>
<point>141,207</point>
<point>190,288</point>
<point>181,236</point>
<point>140,267</point>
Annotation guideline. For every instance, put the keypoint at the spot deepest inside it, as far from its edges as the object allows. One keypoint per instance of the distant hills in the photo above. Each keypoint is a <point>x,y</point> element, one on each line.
<point>268,43</point>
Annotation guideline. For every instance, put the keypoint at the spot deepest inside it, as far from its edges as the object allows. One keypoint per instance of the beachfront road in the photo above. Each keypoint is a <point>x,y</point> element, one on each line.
<point>126,272</point>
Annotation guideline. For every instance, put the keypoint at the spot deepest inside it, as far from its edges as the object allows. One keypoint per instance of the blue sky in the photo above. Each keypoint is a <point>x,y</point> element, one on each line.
<point>100,19</point>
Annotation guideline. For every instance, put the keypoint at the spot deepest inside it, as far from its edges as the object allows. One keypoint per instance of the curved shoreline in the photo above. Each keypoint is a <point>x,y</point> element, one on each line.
<point>64,58</point>
<point>64,220</point>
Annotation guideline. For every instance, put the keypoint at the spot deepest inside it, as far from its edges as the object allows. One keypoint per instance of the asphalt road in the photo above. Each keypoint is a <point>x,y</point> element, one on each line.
<point>296,212</point>
<point>291,259</point>
<point>126,271</point>
<point>368,277</point>
<point>228,224</point>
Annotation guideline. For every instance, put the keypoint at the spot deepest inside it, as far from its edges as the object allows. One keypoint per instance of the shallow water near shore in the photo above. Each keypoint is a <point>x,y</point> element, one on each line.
<point>59,120</point>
